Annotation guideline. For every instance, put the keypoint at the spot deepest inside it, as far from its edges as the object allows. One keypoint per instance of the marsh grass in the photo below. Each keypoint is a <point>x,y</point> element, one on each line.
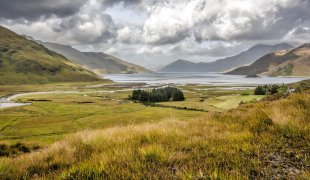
<point>267,140</point>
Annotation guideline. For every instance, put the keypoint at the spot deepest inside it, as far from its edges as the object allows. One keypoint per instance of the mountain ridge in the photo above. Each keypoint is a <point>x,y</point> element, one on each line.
<point>25,62</point>
<point>294,62</point>
<point>228,63</point>
<point>98,62</point>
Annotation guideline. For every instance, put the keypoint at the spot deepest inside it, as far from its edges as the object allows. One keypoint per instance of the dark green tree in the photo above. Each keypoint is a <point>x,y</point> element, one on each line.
<point>158,95</point>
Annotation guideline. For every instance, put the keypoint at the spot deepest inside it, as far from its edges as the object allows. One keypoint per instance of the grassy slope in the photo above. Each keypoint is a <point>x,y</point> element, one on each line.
<point>129,68</point>
<point>97,62</point>
<point>26,62</point>
<point>265,139</point>
<point>295,62</point>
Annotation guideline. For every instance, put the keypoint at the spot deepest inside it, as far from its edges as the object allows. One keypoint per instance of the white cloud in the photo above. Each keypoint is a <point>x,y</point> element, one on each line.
<point>129,34</point>
<point>228,20</point>
<point>168,23</point>
<point>154,31</point>
<point>111,50</point>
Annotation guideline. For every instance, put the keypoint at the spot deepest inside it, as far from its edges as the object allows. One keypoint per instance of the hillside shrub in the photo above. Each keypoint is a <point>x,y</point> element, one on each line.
<point>270,89</point>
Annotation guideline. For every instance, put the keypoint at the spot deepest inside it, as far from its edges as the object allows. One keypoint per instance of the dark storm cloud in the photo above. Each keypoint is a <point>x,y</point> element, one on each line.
<point>108,3</point>
<point>35,9</point>
<point>160,29</point>
<point>89,29</point>
<point>272,24</point>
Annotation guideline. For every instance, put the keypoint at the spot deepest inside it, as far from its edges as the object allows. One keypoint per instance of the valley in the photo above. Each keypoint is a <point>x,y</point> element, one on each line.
<point>65,133</point>
<point>74,107</point>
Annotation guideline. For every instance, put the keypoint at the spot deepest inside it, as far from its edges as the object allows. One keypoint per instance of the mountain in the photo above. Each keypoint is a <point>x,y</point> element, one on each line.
<point>295,62</point>
<point>25,62</point>
<point>221,65</point>
<point>97,62</point>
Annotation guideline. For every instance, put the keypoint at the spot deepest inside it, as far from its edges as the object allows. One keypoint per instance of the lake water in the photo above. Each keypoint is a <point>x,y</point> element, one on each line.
<point>198,78</point>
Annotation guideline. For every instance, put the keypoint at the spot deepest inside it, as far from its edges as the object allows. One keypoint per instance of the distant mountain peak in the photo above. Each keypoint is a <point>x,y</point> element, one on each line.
<point>306,45</point>
<point>222,65</point>
<point>98,62</point>
<point>182,61</point>
<point>284,45</point>
<point>293,62</point>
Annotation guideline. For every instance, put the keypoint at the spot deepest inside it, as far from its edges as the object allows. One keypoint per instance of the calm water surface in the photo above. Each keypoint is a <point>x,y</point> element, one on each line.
<point>199,78</point>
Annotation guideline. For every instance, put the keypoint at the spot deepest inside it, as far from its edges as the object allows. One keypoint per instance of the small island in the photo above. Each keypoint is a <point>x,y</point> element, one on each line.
<point>252,76</point>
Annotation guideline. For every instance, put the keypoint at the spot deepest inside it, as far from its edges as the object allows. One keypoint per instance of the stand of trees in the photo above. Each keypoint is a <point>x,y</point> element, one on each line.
<point>270,89</point>
<point>158,95</point>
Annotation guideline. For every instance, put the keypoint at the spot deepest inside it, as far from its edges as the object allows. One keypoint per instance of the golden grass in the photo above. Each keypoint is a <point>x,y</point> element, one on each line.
<point>262,140</point>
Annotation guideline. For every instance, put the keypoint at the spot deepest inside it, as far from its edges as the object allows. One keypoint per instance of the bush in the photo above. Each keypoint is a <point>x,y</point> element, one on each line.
<point>270,89</point>
<point>259,90</point>
<point>158,95</point>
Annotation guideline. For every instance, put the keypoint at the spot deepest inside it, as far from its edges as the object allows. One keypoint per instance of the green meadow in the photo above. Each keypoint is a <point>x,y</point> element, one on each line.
<point>52,116</point>
<point>92,131</point>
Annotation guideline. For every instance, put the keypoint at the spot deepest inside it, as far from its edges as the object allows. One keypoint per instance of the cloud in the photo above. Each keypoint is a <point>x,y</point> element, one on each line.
<point>31,10</point>
<point>86,28</point>
<point>129,34</point>
<point>34,9</point>
<point>109,3</point>
<point>167,23</point>
<point>160,30</point>
<point>299,34</point>
<point>227,20</point>
<point>89,26</point>
<point>240,20</point>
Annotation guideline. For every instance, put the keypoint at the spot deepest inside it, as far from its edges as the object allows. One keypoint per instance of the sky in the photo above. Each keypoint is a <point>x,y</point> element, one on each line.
<point>154,33</point>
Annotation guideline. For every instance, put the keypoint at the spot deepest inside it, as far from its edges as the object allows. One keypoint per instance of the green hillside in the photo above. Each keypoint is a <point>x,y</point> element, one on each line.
<point>97,62</point>
<point>26,62</point>
<point>295,62</point>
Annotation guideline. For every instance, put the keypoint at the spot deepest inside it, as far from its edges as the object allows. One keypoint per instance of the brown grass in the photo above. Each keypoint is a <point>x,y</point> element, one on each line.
<point>262,140</point>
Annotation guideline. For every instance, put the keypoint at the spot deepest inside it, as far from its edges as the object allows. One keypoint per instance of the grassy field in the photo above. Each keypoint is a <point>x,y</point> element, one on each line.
<point>264,140</point>
<point>51,116</point>
<point>95,105</point>
<point>211,99</point>
<point>15,89</point>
